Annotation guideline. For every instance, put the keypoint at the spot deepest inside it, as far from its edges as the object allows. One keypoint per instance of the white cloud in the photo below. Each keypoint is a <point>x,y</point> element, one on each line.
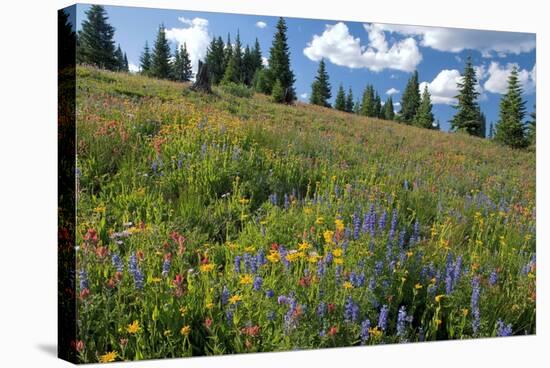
<point>133,68</point>
<point>392,91</point>
<point>304,96</point>
<point>489,43</point>
<point>261,24</point>
<point>195,36</point>
<point>497,81</point>
<point>338,46</point>
<point>265,62</point>
<point>443,88</point>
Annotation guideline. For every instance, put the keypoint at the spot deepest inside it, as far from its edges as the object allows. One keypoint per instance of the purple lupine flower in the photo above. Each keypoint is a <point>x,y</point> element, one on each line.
<point>329,257</point>
<point>250,263</point>
<point>493,278</point>
<point>166,267</point>
<point>383,318</point>
<point>321,269</point>
<point>286,201</point>
<point>457,270</point>
<point>351,310</point>
<point>270,293</point>
<point>321,309</point>
<point>260,258</point>
<point>365,326</point>
<point>229,316</point>
<point>258,281</point>
<point>402,321</point>
<point>117,263</point>
<point>271,315</point>
<point>378,267</point>
<point>382,221</point>
<point>338,273</point>
<point>290,321</point>
<point>372,284</point>
<point>416,233</point>
<point>474,303</point>
<point>283,253</point>
<point>356,225</point>
<point>83,279</point>
<point>372,221</point>
<point>237,262</point>
<point>393,225</point>
<point>503,330</point>
<point>365,225</point>
<point>273,199</point>
<point>225,295</point>
<point>282,299</point>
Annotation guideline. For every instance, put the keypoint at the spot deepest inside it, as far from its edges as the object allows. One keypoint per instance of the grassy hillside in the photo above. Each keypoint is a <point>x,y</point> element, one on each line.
<point>224,224</point>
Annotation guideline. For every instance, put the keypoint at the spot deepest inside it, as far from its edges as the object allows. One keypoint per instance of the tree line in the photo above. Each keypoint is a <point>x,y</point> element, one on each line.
<point>230,63</point>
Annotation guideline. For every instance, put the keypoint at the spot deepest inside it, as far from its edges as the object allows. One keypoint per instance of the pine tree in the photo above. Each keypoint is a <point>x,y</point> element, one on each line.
<point>215,58</point>
<point>531,128</point>
<point>279,62</point>
<point>257,56</point>
<point>320,88</point>
<point>482,124</point>
<point>349,101</point>
<point>424,117</point>
<point>160,61</point>
<point>278,93</point>
<point>126,66</point>
<point>377,106</point>
<point>509,128</point>
<point>357,108</point>
<point>95,40</point>
<point>145,60</point>
<point>234,69</point>
<point>227,53</point>
<point>410,99</point>
<point>177,67</point>
<point>119,57</point>
<point>467,118</point>
<point>389,114</point>
<point>248,67</point>
<point>187,70</point>
<point>66,41</point>
<point>367,103</point>
<point>340,102</point>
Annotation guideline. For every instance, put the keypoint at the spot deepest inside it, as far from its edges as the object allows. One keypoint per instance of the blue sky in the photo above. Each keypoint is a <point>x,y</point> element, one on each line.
<point>355,53</point>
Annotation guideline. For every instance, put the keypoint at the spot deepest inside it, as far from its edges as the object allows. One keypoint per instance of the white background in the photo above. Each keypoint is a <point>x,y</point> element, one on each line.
<point>28,159</point>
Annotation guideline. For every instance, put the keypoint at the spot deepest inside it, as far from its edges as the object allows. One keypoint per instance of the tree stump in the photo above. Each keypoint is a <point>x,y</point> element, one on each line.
<point>202,82</point>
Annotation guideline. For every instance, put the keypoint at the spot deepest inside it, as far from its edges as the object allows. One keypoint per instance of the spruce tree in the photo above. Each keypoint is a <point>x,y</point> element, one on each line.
<point>349,101</point>
<point>126,66</point>
<point>145,60</point>
<point>279,62</point>
<point>340,102</point>
<point>119,56</point>
<point>95,41</point>
<point>482,124</point>
<point>357,108</point>
<point>491,131</point>
<point>531,128</point>
<point>389,114</point>
<point>177,67</point>
<point>278,93</point>
<point>467,118</point>
<point>187,70</point>
<point>410,99</point>
<point>377,106</point>
<point>248,67</point>
<point>66,41</point>
<point>160,61</point>
<point>509,128</point>
<point>320,88</point>
<point>424,117</point>
<point>227,53</point>
<point>367,103</point>
<point>215,58</point>
<point>257,56</point>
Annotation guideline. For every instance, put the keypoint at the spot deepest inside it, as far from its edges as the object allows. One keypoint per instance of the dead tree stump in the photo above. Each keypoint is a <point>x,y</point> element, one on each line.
<point>202,82</point>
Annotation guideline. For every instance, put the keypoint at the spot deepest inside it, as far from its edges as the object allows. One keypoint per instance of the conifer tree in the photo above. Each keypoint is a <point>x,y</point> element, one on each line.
<point>491,131</point>
<point>234,70</point>
<point>509,128</point>
<point>357,108</point>
<point>349,101</point>
<point>119,56</point>
<point>320,88</point>
<point>177,67</point>
<point>377,106</point>
<point>424,117</point>
<point>66,41</point>
<point>257,56</point>
<point>467,117</point>
<point>227,52</point>
<point>145,60</point>
<point>482,124</point>
<point>279,62</point>
<point>248,67</point>
<point>410,99</point>
<point>95,41</point>
<point>187,70</point>
<point>389,114</point>
<point>126,66</point>
<point>160,60</point>
<point>367,103</point>
<point>278,93</point>
<point>340,102</point>
<point>531,128</point>
<point>215,58</point>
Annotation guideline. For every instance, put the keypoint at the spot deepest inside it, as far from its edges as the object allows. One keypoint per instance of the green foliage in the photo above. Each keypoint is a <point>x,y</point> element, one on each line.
<point>349,101</point>
<point>238,90</point>
<point>160,60</point>
<point>215,59</point>
<point>340,102</point>
<point>467,118</point>
<point>96,45</point>
<point>389,113</point>
<point>320,88</point>
<point>279,63</point>
<point>145,60</point>
<point>278,92</point>
<point>263,81</point>
<point>510,129</point>
<point>368,103</point>
<point>410,99</point>
<point>531,128</point>
<point>181,67</point>
<point>424,117</point>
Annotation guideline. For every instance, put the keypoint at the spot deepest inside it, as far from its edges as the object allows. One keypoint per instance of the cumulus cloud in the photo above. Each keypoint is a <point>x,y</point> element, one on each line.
<point>340,47</point>
<point>497,81</point>
<point>265,62</point>
<point>489,43</point>
<point>133,68</point>
<point>443,88</point>
<point>261,24</point>
<point>195,35</point>
<point>304,96</point>
<point>392,91</point>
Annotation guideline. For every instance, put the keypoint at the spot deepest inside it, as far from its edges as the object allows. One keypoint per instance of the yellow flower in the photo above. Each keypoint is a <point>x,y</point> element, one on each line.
<point>235,299</point>
<point>304,245</point>
<point>156,280</point>
<point>375,332</point>
<point>231,245</point>
<point>347,285</point>
<point>274,257</point>
<point>108,357</point>
<point>209,305</point>
<point>207,267</point>
<point>339,224</point>
<point>465,312</point>
<point>249,249</point>
<point>313,258</point>
<point>418,286</point>
<point>307,210</point>
<point>100,208</point>
<point>409,254</point>
<point>320,221</point>
<point>133,327</point>
<point>439,297</point>
<point>183,310</point>
<point>338,261</point>
<point>328,236</point>
<point>185,330</point>
<point>337,252</point>
<point>244,201</point>
<point>438,322</point>
<point>246,279</point>
<point>167,333</point>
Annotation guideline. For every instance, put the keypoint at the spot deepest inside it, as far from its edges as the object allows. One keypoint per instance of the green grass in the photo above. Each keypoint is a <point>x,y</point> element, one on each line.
<point>167,173</point>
